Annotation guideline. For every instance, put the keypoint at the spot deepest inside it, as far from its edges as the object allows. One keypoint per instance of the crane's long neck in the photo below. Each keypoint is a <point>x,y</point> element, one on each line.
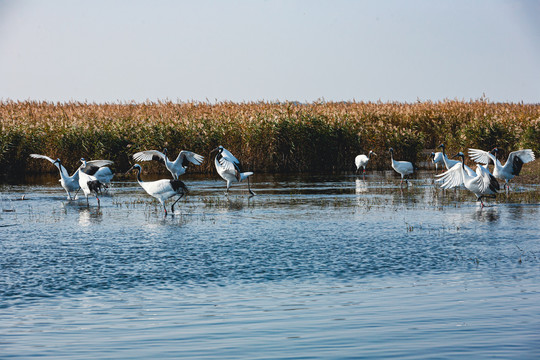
<point>62,175</point>
<point>392,158</point>
<point>139,180</point>
<point>464,174</point>
<point>496,163</point>
<point>445,158</point>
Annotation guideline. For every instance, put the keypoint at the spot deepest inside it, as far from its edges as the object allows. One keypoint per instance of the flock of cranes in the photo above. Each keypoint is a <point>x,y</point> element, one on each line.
<point>481,182</point>
<point>92,176</point>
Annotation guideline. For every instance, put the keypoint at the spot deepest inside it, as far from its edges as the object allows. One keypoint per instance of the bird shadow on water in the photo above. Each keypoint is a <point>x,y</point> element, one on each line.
<point>232,203</point>
<point>488,213</point>
<point>89,215</point>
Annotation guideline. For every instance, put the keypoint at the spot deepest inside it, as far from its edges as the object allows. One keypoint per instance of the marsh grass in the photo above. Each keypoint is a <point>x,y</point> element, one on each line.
<point>267,137</point>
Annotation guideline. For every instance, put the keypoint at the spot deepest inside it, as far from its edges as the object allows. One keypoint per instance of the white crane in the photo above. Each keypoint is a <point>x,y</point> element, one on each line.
<point>69,183</point>
<point>88,180</point>
<point>449,163</point>
<point>511,168</point>
<point>404,168</point>
<point>482,184</point>
<point>362,160</point>
<point>229,168</point>
<point>177,167</point>
<point>437,158</point>
<point>161,189</point>
<point>99,169</point>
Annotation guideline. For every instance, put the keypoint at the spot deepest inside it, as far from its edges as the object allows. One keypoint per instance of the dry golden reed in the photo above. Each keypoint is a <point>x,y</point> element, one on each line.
<point>266,136</point>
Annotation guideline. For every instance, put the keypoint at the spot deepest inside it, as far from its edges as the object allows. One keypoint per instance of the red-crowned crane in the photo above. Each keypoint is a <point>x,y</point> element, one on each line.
<point>177,167</point>
<point>229,168</point>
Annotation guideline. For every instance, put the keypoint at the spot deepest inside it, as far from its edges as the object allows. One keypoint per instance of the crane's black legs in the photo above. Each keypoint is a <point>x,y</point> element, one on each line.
<point>172,207</point>
<point>249,188</point>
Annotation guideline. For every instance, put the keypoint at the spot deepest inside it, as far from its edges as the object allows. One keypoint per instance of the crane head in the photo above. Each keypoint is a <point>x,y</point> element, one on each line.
<point>136,166</point>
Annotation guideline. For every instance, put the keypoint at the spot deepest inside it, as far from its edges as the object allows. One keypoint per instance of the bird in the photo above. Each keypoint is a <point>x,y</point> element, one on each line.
<point>449,163</point>
<point>99,169</point>
<point>362,160</point>
<point>161,189</point>
<point>69,183</point>
<point>404,168</point>
<point>511,168</point>
<point>88,177</point>
<point>437,158</point>
<point>229,168</point>
<point>177,167</point>
<point>482,184</point>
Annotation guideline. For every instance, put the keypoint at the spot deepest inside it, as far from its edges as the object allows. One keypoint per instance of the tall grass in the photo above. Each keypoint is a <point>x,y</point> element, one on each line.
<point>267,137</point>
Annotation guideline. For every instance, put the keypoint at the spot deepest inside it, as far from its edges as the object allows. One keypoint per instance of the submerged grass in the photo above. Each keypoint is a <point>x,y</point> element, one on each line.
<point>267,137</point>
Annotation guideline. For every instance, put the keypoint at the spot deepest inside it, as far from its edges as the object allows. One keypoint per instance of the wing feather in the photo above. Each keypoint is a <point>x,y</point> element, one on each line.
<point>149,155</point>
<point>191,157</point>
<point>526,155</point>
<point>483,157</point>
<point>489,185</point>
<point>92,167</point>
<point>100,163</point>
<point>59,166</point>
<point>451,178</point>
<point>38,156</point>
<point>104,174</point>
<point>226,154</point>
<point>226,164</point>
<point>469,170</point>
<point>516,159</point>
<point>479,156</point>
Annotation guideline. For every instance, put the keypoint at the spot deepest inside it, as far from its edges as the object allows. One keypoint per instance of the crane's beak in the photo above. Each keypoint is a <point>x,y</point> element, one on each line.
<point>131,168</point>
<point>373,153</point>
<point>213,151</point>
<point>455,156</point>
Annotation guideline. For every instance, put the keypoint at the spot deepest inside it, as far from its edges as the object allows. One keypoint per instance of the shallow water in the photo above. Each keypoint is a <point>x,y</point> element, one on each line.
<point>328,266</point>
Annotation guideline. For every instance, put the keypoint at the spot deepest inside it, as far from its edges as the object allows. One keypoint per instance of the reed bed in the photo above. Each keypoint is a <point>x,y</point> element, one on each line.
<point>265,136</point>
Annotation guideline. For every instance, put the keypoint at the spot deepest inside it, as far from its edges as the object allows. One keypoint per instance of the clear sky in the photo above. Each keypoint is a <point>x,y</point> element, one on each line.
<point>252,50</point>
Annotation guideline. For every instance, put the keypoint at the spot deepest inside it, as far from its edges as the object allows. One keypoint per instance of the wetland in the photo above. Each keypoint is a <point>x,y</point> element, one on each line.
<point>313,266</point>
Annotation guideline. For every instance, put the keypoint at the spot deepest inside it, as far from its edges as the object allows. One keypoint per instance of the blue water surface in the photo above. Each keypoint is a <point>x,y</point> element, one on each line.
<point>329,266</point>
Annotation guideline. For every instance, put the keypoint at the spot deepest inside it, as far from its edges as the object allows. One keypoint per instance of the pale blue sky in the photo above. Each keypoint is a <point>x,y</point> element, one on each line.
<point>110,51</point>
